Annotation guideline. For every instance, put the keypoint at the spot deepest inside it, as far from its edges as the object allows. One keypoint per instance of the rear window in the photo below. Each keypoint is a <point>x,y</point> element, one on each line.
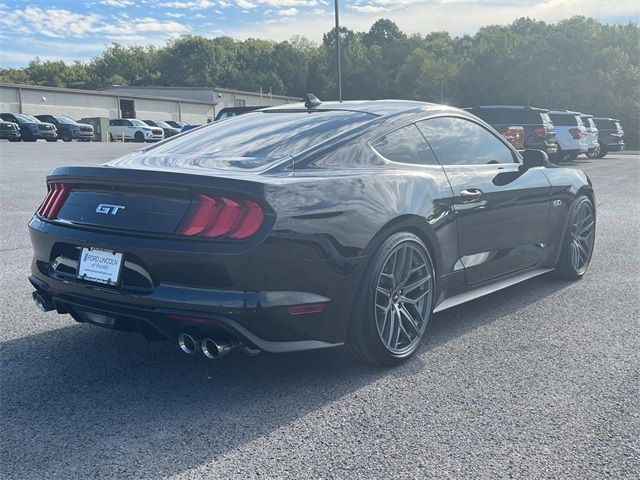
<point>511,116</point>
<point>273,134</point>
<point>562,120</point>
<point>588,121</point>
<point>606,124</point>
<point>521,116</point>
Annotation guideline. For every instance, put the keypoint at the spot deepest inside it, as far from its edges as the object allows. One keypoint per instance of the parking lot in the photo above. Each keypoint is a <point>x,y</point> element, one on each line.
<point>537,381</point>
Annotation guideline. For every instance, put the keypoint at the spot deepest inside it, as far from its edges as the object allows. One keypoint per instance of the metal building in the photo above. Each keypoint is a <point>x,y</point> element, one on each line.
<point>223,97</point>
<point>190,105</point>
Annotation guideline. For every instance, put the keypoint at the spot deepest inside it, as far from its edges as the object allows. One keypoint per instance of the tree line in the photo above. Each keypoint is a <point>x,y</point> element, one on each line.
<point>579,64</point>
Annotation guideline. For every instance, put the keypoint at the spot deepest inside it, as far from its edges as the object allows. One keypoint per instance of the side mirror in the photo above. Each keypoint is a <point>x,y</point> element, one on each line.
<point>535,158</point>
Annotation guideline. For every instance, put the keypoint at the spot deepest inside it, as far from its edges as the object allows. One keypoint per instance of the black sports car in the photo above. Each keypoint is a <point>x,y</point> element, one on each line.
<point>307,226</point>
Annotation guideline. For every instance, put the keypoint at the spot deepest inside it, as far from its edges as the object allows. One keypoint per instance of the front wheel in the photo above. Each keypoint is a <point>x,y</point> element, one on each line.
<point>579,240</point>
<point>139,137</point>
<point>394,304</point>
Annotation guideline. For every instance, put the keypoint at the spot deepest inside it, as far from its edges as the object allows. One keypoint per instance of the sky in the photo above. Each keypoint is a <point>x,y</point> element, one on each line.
<point>78,30</point>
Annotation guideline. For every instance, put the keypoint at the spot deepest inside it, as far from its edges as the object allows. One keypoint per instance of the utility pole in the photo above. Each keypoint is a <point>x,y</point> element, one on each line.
<point>338,66</point>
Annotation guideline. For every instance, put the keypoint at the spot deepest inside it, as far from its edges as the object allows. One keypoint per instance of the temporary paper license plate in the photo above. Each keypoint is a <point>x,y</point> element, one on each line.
<point>101,266</point>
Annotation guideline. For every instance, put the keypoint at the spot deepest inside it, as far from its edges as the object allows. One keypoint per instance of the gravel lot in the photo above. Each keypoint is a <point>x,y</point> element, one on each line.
<point>539,380</point>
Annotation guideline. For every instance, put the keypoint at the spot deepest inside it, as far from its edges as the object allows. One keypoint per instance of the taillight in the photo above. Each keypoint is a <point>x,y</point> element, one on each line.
<point>541,132</point>
<point>514,135</point>
<point>575,133</point>
<point>57,195</point>
<point>222,217</point>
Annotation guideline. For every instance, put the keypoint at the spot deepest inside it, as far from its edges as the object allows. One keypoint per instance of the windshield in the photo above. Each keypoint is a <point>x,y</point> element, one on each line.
<point>26,118</point>
<point>261,134</point>
<point>137,123</point>
<point>65,120</point>
<point>162,124</point>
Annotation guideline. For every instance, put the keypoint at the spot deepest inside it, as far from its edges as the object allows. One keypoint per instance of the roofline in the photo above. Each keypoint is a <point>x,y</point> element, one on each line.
<point>564,112</point>
<point>512,107</point>
<point>211,89</point>
<point>100,93</point>
<point>607,118</point>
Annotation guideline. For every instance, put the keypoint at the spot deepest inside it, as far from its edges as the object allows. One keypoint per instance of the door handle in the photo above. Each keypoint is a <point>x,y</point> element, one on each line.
<point>470,194</point>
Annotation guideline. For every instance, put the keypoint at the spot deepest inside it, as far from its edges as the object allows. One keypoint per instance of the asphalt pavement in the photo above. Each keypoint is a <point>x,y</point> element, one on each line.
<point>540,380</point>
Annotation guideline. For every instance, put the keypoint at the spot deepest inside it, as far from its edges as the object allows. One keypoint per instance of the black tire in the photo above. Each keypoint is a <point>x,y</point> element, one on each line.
<point>569,157</point>
<point>603,150</point>
<point>364,341</point>
<point>567,268</point>
<point>594,152</point>
<point>138,137</point>
<point>51,139</point>
<point>558,156</point>
<point>66,136</point>
<point>14,139</point>
<point>29,139</point>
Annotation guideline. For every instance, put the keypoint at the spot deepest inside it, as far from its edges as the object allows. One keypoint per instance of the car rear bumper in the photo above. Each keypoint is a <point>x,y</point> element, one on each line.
<point>615,147</point>
<point>248,295</point>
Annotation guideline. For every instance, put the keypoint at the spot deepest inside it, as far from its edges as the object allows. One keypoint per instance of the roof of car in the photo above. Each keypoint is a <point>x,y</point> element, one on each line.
<point>374,107</point>
<point>586,115</point>
<point>606,118</point>
<point>563,112</point>
<point>509,107</point>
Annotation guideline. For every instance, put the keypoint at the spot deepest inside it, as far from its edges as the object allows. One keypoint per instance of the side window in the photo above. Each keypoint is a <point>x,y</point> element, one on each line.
<point>405,145</point>
<point>457,141</point>
<point>126,123</point>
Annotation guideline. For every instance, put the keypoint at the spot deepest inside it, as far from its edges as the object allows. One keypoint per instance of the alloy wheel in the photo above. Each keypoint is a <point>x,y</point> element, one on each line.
<point>582,238</point>
<point>403,298</point>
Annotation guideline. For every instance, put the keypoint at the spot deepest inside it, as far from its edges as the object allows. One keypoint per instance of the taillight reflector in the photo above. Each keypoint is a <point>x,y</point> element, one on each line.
<point>575,133</point>
<point>308,308</point>
<point>216,217</point>
<point>514,135</point>
<point>541,132</point>
<point>57,195</point>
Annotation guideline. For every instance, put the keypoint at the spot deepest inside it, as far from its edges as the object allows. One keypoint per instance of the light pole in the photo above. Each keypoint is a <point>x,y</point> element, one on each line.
<point>338,66</point>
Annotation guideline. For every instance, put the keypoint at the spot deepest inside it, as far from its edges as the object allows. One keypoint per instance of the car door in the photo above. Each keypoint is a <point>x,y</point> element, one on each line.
<point>128,129</point>
<point>501,208</point>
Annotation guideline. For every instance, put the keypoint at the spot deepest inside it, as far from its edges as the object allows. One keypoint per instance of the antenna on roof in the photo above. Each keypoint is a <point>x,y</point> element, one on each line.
<point>311,101</point>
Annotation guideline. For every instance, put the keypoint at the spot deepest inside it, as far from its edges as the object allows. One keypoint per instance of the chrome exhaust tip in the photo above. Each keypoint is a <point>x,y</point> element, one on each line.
<point>43,301</point>
<point>187,343</point>
<point>216,349</point>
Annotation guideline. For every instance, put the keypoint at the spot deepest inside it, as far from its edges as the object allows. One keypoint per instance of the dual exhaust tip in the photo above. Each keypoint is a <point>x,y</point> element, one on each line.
<point>211,348</point>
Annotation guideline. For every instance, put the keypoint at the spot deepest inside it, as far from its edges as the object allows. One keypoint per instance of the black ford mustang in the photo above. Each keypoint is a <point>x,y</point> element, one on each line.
<point>307,226</point>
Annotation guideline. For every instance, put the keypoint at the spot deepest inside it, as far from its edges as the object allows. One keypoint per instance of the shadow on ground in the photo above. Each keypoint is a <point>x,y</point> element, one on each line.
<point>78,393</point>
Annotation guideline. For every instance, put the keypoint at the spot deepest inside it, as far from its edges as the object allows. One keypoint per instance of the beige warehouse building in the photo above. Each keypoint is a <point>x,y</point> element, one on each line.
<point>190,105</point>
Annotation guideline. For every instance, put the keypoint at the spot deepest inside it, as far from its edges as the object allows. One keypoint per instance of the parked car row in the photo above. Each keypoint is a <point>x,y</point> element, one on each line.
<point>17,127</point>
<point>562,134</point>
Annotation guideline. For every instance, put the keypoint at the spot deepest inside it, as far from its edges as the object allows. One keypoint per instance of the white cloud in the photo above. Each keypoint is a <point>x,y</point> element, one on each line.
<point>58,23</point>
<point>369,8</point>
<point>117,3</point>
<point>191,5</point>
<point>245,4</point>
<point>289,12</point>
<point>50,23</point>
<point>174,14</point>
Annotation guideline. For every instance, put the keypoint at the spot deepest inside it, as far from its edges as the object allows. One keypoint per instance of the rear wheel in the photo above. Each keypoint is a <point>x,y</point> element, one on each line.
<point>594,152</point>
<point>394,304</point>
<point>579,240</point>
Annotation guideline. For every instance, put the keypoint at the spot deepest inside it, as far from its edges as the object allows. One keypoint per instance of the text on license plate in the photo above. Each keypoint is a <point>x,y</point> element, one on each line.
<point>101,266</point>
